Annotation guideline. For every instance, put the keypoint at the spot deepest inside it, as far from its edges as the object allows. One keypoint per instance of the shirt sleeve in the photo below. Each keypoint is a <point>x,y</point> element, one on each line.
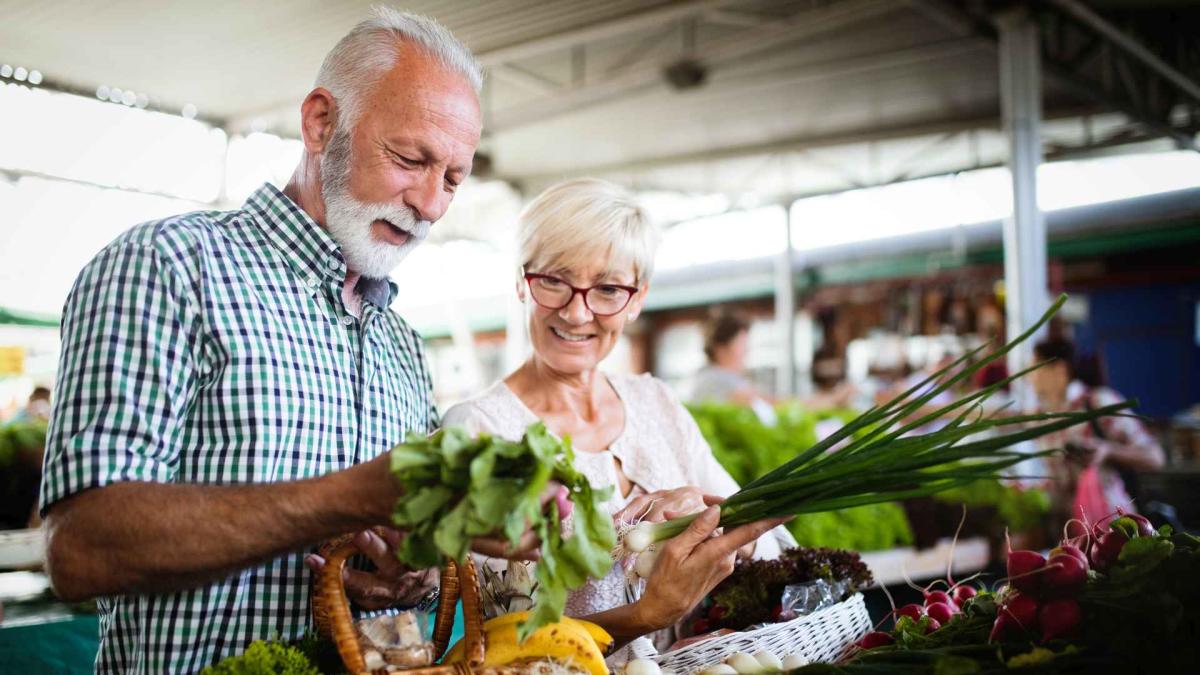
<point>126,375</point>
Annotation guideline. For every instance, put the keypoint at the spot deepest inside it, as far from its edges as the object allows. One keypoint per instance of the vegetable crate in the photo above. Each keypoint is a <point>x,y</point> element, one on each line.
<point>824,636</point>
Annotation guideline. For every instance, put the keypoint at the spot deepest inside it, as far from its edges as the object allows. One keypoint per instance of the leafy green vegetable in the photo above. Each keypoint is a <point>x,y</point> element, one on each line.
<point>754,590</point>
<point>870,527</point>
<point>1019,509</point>
<point>265,658</point>
<point>461,487</point>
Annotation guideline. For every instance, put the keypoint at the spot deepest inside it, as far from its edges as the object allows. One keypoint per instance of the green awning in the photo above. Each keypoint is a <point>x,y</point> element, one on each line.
<point>12,317</point>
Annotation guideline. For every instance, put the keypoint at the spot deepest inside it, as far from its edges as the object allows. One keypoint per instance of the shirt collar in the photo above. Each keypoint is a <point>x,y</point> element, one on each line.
<point>306,246</point>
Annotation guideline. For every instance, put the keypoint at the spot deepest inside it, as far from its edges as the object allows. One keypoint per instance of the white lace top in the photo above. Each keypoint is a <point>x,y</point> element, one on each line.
<point>660,449</point>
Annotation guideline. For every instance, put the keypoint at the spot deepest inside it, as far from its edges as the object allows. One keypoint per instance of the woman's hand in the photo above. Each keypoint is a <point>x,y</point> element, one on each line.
<point>654,506</point>
<point>690,565</point>
<point>666,504</point>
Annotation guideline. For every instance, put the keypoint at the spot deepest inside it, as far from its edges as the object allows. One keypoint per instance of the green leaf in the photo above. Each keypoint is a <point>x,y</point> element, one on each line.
<point>450,533</point>
<point>424,504</point>
<point>408,456</point>
<point>1144,553</point>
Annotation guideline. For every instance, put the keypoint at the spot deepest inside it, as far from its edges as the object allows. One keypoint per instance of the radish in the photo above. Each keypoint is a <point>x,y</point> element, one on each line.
<point>1022,610</point>
<point>1059,619</point>
<point>939,612</point>
<point>913,611</point>
<point>1070,550</point>
<point>1002,628</point>
<point>874,639</point>
<point>1064,577</point>
<point>963,593</point>
<point>933,625</point>
<point>1022,569</point>
<point>1106,549</point>
<point>935,597</point>
<point>1144,527</point>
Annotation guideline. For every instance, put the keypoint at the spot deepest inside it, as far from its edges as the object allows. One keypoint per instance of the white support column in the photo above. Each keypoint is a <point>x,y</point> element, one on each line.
<point>1025,289</point>
<point>785,313</point>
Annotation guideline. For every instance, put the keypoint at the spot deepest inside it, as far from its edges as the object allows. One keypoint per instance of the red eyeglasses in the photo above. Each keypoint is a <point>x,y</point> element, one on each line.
<point>602,299</point>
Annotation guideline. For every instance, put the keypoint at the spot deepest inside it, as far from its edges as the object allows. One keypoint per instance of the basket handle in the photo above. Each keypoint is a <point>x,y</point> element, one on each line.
<point>472,613</point>
<point>331,609</point>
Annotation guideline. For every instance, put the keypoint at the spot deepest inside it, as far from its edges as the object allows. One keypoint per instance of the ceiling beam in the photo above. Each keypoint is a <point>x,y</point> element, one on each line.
<point>808,24</point>
<point>526,79</point>
<point>1129,45</point>
<point>628,23</point>
<point>728,18</point>
<point>980,120</point>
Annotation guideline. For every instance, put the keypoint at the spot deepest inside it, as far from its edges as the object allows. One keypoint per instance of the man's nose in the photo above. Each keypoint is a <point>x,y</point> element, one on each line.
<point>428,198</point>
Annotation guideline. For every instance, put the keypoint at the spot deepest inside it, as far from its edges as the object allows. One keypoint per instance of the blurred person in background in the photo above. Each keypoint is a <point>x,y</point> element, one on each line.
<point>1087,477</point>
<point>724,378</point>
<point>37,409</point>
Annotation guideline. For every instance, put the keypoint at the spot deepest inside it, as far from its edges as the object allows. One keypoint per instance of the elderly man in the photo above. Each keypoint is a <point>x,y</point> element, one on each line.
<point>230,382</point>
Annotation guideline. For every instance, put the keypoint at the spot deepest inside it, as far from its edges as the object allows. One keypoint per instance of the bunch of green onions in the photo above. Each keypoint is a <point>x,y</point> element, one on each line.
<point>881,464</point>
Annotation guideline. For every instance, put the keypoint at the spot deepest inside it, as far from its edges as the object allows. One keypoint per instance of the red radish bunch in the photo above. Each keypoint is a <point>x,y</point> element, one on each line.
<point>1042,597</point>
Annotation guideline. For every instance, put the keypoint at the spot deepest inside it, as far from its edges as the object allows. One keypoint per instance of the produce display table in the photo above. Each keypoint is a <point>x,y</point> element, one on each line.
<point>47,637</point>
<point>889,567</point>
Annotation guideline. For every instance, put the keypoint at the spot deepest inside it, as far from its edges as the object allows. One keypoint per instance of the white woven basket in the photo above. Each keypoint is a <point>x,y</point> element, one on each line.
<point>821,637</point>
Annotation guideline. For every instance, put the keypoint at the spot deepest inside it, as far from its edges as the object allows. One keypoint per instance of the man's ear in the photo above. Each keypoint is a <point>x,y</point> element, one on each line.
<point>317,117</point>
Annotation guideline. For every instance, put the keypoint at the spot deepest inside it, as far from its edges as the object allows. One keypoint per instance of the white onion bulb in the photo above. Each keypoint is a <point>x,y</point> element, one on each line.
<point>744,664</point>
<point>768,661</point>
<point>718,669</point>
<point>644,564</point>
<point>639,538</point>
<point>794,661</point>
<point>642,667</point>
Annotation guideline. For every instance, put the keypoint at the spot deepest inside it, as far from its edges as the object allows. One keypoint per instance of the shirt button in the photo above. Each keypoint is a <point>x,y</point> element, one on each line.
<point>333,263</point>
<point>347,321</point>
<point>312,282</point>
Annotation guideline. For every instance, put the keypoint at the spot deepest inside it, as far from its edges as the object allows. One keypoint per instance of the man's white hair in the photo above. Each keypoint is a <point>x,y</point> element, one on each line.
<point>372,48</point>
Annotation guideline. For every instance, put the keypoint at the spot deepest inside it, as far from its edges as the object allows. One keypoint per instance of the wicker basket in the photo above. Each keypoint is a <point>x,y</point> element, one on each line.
<point>331,613</point>
<point>821,637</point>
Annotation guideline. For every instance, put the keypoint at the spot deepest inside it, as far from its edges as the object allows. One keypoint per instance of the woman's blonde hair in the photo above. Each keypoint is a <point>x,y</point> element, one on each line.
<point>578,221</point>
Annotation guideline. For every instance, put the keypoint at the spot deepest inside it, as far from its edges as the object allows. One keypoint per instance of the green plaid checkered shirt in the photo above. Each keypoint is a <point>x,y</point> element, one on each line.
<point>215,348</point>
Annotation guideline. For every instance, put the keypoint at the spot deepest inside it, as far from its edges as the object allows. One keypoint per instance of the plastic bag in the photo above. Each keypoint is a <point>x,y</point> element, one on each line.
<point>806,598</point>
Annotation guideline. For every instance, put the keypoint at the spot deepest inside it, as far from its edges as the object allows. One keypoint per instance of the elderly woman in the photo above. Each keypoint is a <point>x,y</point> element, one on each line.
<point>587,252</point>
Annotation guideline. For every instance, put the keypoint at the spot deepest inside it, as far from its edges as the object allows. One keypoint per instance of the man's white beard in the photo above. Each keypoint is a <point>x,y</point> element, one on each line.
<point>349,221</point>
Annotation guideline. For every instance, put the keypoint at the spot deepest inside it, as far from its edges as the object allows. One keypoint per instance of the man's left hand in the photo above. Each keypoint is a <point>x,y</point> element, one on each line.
<point>391,584</point>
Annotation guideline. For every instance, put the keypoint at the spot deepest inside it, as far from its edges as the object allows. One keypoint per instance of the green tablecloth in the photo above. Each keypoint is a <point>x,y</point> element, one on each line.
<point>64,643</point>
<point>48,639</point>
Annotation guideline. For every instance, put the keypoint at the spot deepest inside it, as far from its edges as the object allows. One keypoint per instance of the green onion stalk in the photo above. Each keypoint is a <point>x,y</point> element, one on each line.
<point>882,463</point>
